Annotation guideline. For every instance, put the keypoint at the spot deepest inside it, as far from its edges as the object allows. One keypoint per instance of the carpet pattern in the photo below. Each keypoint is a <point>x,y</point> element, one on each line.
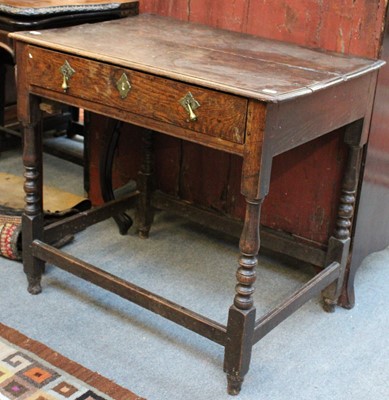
<point>30,370</point>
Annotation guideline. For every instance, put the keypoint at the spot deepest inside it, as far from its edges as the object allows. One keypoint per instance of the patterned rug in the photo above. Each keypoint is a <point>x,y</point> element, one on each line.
<point>30,370</point>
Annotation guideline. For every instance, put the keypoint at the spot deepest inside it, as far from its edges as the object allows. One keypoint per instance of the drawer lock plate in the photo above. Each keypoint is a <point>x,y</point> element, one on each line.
<point>123,85</point>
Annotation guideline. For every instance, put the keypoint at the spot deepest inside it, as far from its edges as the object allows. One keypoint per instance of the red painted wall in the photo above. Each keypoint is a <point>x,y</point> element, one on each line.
<point>305,181</point>
<point>348,26</point>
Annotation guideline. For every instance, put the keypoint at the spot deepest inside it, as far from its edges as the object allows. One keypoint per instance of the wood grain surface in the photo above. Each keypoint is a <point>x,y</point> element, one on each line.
<point>219,114</point>
<point>273,71</point>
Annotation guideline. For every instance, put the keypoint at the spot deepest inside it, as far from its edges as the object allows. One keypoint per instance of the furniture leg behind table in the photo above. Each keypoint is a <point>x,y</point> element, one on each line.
<point>123,220</point>
<point>339,243</point>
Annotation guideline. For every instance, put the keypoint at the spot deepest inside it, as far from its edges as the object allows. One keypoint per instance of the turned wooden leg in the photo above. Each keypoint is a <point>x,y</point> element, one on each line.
<point>32,220</point>
<point>145,186</point>
<point>123,221</point>
<point>339,243</point>
<point>241,317</point>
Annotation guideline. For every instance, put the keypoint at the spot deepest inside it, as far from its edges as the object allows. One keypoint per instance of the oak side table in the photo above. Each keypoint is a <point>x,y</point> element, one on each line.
<point>236,93</point>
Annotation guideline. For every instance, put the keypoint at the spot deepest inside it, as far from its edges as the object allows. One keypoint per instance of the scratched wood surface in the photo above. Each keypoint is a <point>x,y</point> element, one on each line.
<point>305,182</point>
<point>273,71</point>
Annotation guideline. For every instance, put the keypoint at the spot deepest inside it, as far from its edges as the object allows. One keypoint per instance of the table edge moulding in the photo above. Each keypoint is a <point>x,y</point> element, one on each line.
<point>236,93</point>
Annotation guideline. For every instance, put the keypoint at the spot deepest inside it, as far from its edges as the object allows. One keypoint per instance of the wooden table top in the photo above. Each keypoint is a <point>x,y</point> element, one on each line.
<point>236,63</point>
<point>43,7</point>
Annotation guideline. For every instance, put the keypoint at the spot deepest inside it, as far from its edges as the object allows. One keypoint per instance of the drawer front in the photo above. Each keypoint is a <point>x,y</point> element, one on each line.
<point>218,114</point>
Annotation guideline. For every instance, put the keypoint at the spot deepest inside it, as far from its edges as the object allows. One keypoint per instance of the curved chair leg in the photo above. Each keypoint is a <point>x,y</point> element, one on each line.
<point>123,221</point>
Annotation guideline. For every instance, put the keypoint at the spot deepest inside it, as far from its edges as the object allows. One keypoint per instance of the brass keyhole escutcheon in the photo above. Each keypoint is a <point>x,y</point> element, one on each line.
<point>190,104</point>
<point>123,85</point>
<point>67,72</point>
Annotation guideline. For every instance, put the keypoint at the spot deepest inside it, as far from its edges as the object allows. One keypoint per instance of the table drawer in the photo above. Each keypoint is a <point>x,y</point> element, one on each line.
<point>218,114</point>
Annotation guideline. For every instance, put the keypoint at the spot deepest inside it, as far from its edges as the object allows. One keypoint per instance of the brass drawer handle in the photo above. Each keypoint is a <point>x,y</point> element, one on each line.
<point>67,72</point>
<point>190,104</point>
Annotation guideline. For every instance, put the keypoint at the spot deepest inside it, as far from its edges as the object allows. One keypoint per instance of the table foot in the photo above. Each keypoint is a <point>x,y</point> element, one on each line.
<point>347,306</point>
<point>329,305</point>
<point>144,233</point>
<point>347,298</point>
<point>241,316</point>
<point>234,384</point>
<point>124,223</point>
<point>34,284</point>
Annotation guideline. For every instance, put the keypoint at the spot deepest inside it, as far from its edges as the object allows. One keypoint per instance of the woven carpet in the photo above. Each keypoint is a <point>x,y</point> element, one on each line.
<point>30,370</point>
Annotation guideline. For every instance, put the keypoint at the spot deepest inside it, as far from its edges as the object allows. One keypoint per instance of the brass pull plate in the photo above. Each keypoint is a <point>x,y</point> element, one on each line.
<point>190,104</point>
<point>67,72</point>
<point>123,85</point>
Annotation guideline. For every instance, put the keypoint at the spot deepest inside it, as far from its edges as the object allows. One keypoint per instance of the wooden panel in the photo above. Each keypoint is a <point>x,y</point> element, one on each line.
<point>171,8</point>
<point>229,15</point>
<point>219,114</point>
<point>285,207</point>
<point>347,26</point>
<point>193,187</point>
<point>167,152</point>
<point>306,206</point>
<point>296,126</point>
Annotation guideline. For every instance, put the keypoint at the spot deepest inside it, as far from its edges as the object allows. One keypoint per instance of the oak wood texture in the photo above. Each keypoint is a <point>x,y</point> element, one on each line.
<point>271,74</point>
<point>219,115</point>
<point>213,64</point>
